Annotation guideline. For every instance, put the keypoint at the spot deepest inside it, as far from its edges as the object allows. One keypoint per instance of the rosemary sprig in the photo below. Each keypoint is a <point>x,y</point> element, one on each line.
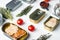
<point>6,13</point>
<point>25,11</point>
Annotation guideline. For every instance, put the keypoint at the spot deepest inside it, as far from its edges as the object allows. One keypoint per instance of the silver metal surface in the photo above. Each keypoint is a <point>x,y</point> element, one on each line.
<point>44,37</point>
<point>29,1</point>
<point>13,5</point>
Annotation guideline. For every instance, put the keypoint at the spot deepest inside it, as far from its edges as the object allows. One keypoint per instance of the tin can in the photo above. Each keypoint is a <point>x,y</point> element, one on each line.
<point>51,23</point>
<point>14,35</point>
<point>37,16</point>
<point>13,5</point>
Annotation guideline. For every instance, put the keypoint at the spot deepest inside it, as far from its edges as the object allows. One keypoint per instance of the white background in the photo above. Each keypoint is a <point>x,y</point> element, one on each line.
<point>39,27</point>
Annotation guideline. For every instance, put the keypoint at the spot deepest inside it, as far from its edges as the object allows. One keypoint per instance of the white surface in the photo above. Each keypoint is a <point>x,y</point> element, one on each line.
<point>39,27</point>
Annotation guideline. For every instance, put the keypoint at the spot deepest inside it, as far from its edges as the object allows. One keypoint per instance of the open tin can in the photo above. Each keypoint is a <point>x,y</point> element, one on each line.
<point>14,32</point>
<point>51,23</point>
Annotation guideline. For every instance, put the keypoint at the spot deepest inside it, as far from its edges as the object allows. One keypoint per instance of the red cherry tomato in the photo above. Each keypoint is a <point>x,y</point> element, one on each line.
<point>20,21</point>
<point>31,28</point>
<point>46,0</point>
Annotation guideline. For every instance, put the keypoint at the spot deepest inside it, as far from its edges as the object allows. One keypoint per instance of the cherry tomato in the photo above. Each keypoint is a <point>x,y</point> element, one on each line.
<point>20,21</point>
<point>46,0</point>
<point>31,28</point>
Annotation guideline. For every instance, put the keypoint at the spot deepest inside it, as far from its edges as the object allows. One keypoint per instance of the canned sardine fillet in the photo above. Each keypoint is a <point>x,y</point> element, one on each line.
<point>51,23</point>
<point>14,31</point>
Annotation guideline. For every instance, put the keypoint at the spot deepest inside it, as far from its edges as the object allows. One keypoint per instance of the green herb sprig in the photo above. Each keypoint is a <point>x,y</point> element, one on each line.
<point>25,11</point>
